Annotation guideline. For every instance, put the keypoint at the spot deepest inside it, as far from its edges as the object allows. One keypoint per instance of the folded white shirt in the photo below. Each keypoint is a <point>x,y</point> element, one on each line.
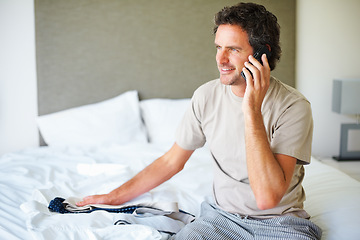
<point>166,217</point>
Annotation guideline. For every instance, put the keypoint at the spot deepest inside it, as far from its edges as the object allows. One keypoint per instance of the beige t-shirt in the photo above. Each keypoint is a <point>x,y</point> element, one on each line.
<point>216,117</point>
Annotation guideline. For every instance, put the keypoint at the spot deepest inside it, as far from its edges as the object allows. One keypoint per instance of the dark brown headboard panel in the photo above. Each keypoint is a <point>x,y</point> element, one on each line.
<point>91,50</point>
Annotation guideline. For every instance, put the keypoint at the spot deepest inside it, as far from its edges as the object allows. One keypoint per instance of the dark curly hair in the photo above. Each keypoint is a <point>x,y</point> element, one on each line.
<point>260,25</point>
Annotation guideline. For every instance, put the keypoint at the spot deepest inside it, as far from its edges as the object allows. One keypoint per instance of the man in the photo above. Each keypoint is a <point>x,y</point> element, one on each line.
<point>259,132</point>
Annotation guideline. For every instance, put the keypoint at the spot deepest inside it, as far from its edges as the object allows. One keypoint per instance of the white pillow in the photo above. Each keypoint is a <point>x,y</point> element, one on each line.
<point>162,117</point>
<point>116,120</point>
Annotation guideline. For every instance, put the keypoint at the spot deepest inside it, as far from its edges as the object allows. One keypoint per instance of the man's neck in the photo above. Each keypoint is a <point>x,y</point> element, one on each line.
<point>239,90</point>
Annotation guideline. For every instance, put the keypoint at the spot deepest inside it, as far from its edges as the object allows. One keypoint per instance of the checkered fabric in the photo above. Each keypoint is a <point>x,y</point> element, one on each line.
<point>215,223</point>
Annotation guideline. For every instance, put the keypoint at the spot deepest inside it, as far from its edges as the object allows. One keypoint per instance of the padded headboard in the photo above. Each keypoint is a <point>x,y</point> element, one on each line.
<point>92,50</point>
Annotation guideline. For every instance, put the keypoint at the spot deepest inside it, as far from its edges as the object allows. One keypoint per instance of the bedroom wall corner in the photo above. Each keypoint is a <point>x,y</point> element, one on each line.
<point>18,91</point>
<point>327,48</point>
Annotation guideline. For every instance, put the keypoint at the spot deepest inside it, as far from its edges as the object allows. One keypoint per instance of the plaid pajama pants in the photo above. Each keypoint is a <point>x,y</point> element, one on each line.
<point>215,223</point>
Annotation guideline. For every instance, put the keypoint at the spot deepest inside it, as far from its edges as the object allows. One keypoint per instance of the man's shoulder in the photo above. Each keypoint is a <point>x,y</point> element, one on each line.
<point>282,98</point>
<point>211,84</point>
<point>207,88</point>
<point>285,92</point>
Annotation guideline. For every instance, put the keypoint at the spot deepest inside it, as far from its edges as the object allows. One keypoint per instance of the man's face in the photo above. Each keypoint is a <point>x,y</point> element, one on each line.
<point>233,50</point>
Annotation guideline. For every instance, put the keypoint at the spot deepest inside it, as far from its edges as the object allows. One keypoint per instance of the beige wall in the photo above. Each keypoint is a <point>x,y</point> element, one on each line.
<point>328,40</point>
<point>92,50</point>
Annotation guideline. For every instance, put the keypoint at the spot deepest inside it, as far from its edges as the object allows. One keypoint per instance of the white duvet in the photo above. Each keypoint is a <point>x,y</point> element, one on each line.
<point>31,178</point>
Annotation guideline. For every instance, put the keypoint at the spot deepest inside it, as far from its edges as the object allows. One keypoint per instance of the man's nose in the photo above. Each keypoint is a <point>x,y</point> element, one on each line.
<point>221,57</point>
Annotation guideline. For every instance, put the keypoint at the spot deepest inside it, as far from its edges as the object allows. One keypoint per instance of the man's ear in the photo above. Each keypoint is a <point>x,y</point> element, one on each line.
<point>268,46</point>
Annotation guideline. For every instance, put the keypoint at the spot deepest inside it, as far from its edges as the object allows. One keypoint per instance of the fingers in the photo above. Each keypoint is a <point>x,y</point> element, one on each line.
<point>248,76</point>
<point>260,73</point>
<point>257,83</point>
<point>265,61</point>
<point>95,199</point>
<point>84,202</point>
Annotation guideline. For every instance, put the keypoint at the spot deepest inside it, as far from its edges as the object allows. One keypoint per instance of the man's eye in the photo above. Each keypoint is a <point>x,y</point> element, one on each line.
<point>234,50</point>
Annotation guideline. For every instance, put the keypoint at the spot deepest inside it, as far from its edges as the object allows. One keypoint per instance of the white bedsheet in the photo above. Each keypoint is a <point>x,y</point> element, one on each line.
<point>31,178</point>
<point>333,201</point>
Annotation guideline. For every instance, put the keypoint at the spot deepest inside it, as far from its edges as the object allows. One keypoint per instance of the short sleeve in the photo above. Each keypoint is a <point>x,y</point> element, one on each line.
<point>189,134</point>
<point>293,132</point>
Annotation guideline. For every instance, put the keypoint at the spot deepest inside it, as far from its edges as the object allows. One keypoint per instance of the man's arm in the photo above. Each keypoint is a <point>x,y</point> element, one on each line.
<point>161,170</point>
<point>269,174</point>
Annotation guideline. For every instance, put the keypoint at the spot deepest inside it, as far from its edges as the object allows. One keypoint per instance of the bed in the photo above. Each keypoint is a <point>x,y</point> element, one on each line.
<point>94,148</point>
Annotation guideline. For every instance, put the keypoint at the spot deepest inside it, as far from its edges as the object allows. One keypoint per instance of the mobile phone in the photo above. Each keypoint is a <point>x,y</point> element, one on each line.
<point>257,55</point>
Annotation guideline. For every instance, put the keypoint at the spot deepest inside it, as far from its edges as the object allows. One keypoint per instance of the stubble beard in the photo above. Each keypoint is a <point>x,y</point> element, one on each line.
<point>230,79</point>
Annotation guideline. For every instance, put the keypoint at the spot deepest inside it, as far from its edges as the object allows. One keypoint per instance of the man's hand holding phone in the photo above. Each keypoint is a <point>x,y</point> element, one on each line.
<point>257,83</point>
